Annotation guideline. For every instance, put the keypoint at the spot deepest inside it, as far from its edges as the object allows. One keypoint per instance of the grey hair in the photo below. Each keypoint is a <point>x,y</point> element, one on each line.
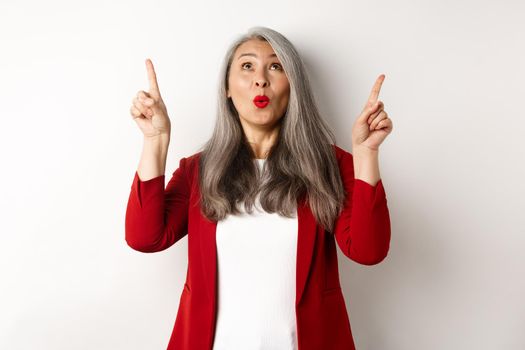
<point>302,161</point>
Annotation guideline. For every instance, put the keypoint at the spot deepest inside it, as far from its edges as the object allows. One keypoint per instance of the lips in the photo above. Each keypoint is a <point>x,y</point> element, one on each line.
<point>261,101</point>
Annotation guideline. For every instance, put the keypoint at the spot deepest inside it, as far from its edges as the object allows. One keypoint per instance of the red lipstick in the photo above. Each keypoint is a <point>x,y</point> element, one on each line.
<point>261,101</point>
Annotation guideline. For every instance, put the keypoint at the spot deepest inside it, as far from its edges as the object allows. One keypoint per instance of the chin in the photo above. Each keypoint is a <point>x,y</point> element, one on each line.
<point>262,121</point>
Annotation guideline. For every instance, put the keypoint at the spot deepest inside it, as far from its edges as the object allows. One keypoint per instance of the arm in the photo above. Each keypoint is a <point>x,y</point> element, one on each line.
<point>156,218</point>
<point>366,165</point>
<point>362,230</point>
<point>153,159</point>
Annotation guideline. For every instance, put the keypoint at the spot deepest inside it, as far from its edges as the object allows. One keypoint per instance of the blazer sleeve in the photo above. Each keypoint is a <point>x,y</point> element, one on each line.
<point>362,230</point>
<point>156,218</point>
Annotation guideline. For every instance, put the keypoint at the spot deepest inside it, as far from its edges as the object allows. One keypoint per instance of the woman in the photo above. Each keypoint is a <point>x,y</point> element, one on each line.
<point>263,204</point>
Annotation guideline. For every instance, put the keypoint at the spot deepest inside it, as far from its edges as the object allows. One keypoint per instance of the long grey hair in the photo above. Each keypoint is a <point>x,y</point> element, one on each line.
<point>302,161</point>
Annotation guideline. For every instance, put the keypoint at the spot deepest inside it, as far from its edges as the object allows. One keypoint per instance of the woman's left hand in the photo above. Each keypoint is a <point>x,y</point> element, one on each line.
<point>373,125</point>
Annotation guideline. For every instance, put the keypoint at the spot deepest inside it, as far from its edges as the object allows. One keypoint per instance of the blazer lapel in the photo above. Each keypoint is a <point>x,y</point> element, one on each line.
<point>207,231</point>
<point>305,245</point>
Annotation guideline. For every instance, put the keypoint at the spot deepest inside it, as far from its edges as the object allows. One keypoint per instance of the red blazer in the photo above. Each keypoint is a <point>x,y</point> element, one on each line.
<point>157,217</point>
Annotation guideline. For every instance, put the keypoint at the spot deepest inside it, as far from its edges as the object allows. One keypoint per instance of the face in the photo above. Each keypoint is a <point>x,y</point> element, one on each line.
<point>255,70</point>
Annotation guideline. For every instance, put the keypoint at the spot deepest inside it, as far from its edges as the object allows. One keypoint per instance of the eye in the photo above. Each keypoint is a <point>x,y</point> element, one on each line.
<point>279,67</point>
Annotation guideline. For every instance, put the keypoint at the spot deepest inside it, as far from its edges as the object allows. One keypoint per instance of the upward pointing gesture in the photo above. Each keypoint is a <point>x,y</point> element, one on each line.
<point>374,94</point>
<point>373,125</point>
<point>148,109</point>
<point>152,77</point>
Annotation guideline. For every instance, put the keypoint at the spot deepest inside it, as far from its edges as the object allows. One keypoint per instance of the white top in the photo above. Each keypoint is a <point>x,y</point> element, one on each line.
<point>256,281</point>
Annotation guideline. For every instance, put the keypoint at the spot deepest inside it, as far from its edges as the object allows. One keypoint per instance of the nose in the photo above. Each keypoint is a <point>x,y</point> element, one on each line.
<point>261,82</point>
<point>260,79</point>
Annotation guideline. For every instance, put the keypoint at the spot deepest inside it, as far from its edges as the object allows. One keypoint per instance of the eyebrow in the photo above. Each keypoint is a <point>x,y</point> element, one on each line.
<point>254,55</point>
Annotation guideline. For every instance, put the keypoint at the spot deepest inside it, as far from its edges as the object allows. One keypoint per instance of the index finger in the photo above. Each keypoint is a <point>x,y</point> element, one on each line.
<point>374,94</point>
<point>152,77</point>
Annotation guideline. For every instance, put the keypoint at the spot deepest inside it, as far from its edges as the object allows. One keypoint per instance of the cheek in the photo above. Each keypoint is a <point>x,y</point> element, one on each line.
<point>285,105</point>
<point>285,97</point>
<point>238,81</point>
<point>237,89</point>
<point>285,89</point>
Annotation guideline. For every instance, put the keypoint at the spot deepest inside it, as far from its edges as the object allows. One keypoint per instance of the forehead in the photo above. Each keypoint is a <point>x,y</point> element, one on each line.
<point>261,48</point>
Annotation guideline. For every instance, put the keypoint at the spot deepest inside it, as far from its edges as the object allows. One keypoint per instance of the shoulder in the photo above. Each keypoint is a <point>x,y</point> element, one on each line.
<point>192,160</point>
<point>341,153</point>
<point>190,165</point>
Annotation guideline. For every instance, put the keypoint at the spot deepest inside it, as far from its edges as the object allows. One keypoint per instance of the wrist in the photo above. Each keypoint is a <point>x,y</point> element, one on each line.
<point>366,164</point>
<point>363,151</point>
<point>161,138</point>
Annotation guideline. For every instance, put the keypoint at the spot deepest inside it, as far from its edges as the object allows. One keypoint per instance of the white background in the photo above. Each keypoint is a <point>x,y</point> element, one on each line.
<point>452,167</point>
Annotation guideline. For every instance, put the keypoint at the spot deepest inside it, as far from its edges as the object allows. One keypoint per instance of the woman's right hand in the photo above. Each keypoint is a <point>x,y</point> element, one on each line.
<point>148,109</point>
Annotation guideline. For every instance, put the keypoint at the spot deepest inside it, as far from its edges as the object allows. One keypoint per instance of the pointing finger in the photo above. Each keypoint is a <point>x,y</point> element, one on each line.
<point>152,77</point>
<point>374,94</point>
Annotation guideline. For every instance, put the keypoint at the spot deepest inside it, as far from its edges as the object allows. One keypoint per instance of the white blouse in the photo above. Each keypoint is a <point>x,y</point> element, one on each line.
<point>256,281</point>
